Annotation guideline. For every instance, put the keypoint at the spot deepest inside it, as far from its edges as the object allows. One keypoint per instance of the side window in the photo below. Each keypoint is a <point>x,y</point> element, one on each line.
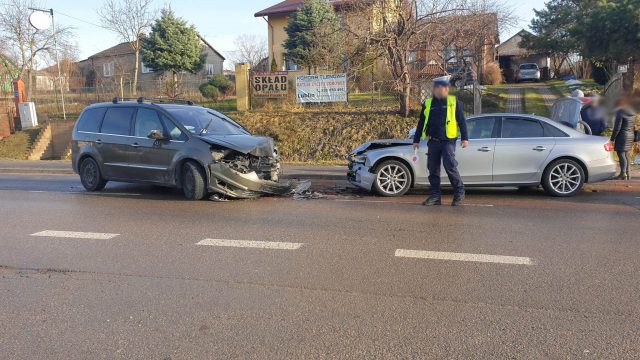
<point>515,128</point>
<point>117,121</point>
<point>146,120</point>
<point>90,120</point>
<point>481,128</point>
<point>174,132</point>
<point>552,131</point>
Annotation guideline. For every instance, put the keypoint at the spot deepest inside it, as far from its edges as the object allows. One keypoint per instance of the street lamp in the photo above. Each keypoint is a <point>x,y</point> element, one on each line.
<point>40,21</point>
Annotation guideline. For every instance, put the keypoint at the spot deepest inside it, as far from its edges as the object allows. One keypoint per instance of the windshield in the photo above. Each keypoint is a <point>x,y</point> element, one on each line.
<point>529,67</point>
<point>201,121</point>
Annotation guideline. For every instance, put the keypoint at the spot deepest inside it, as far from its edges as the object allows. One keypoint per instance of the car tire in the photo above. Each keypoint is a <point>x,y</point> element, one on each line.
<point>393,179</point>
<point>90,175</point>
<point>194,185</point>
<point>563,178</point>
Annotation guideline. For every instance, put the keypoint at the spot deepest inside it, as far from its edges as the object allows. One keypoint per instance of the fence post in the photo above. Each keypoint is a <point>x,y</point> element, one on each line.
<point>242,87</point>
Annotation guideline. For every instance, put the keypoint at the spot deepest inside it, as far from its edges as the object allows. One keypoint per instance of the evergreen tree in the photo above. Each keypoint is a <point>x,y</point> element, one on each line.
<point>173,46</point>
<point>553,29</point>
<point>314,36</point>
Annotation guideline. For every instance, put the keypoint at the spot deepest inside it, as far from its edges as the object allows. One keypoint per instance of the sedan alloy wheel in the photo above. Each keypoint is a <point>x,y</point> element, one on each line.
<point>393,178</point>
<point>563,178</point>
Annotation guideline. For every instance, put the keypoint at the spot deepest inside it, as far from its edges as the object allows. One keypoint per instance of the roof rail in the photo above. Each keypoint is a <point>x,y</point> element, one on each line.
<point>165,100</point>
<point>142,100</point>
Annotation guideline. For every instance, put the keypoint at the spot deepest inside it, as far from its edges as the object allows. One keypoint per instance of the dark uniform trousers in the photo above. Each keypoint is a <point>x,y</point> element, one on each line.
<point>443,152</point>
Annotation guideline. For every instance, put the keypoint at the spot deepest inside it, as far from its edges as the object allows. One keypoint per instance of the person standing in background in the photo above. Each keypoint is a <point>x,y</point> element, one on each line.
<point>623,135</point>
<point>595,115</point>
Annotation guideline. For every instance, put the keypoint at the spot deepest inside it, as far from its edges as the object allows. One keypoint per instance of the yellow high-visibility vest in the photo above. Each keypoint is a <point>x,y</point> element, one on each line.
<point>452,123</point>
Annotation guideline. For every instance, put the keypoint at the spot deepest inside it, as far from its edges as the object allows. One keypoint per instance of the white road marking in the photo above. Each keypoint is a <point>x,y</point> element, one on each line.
<point>75,235</point>
<point>401,202</point>
<point>80,193</point>
<point>251,244</point>
<point>437,255</point>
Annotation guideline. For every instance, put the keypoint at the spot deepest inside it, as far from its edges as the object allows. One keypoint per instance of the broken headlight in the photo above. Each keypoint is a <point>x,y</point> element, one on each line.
<point>360,159</point>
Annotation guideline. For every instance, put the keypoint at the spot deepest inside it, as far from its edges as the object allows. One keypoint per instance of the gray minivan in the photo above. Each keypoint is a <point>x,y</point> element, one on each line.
<point>176,144</point>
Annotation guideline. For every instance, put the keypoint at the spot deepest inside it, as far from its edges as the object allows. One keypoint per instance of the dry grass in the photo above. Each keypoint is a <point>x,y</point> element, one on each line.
<point>321,137</point>
<point>17,146</point>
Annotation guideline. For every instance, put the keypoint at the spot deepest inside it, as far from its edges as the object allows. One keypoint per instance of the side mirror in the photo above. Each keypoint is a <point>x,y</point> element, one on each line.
<point>156,135</point>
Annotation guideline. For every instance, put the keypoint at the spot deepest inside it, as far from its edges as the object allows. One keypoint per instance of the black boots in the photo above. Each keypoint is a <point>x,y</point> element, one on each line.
<point>432,201</point>
<point>457,200</point>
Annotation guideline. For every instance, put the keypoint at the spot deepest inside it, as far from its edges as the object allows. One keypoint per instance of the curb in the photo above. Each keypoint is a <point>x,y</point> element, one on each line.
<point>36,171</point>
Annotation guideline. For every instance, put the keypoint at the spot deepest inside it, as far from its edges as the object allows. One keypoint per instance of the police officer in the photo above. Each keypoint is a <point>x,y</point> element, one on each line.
<point>441,119</point>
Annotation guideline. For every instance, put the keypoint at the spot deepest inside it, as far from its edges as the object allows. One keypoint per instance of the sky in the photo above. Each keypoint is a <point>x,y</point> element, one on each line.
<point>219,22</point>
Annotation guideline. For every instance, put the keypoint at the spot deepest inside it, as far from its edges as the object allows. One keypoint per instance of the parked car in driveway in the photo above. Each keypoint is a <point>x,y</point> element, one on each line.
<point>529,72</point>
<point>505,150</point>
<point>196,149</point>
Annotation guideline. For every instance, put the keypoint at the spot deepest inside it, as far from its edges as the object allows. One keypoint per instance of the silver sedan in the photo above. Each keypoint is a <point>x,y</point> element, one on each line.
<point>505,150</point>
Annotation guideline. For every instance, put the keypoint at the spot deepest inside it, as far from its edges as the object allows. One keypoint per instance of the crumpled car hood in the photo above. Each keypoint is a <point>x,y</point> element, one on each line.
<point>246,144</point>
<point>381,144</point>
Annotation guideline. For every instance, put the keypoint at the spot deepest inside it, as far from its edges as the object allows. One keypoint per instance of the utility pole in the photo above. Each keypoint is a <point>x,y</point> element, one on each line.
<point>41,26</point>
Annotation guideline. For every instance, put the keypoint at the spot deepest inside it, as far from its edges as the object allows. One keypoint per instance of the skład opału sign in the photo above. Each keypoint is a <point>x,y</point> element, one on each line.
<point>270,84</point>
<point>321,88</point>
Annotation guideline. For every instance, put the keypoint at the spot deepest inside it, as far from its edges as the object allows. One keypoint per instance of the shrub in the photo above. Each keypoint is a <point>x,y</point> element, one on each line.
<point>221,83</point>
<point>599,74</point>
<point>492,74</point>
<point>209,91</point>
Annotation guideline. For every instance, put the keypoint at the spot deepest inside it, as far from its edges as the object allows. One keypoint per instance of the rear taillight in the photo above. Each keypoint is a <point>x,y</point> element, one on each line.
<point>608,147</point>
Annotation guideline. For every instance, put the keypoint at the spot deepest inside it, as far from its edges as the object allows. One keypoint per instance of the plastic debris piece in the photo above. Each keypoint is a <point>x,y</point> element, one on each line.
<point>307,195</point>
<point>302,187</point>
<point>218,198</point>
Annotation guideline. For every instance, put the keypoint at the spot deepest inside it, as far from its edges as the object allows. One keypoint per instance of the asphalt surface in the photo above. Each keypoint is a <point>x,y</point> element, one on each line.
<point>330,286</point>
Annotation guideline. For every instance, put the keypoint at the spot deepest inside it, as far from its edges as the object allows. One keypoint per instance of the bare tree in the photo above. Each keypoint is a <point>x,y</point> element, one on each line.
<point>250,49</point>
<point>468,39</point>
<point>130,19</point>
<point>396,29</point>
<point>26,44</point>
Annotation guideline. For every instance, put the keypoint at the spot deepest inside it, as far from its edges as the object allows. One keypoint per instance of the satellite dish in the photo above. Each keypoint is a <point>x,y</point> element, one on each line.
<point>40,20</point>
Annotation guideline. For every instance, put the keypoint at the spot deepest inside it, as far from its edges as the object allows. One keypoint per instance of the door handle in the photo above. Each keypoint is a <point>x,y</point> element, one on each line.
<point>484,149</point>
<point>540,148</point>
<point>135,145</point>
<point>98,142</point>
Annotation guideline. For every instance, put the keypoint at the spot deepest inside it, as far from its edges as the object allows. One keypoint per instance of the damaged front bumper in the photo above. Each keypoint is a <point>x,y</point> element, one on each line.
<point>237,185</point>
<point>360,175</point>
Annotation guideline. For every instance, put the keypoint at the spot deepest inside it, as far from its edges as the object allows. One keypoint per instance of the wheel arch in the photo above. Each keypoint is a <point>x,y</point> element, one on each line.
<point>88,155</point>
<point>572,158</point>
<point>180,166</point>
<point>396,158</point>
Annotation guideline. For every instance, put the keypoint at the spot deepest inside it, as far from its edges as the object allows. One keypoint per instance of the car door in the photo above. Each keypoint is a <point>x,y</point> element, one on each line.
<point>151,159</point>
<point>113,143</point>
<point>521,151</point>
<point>475,163</point>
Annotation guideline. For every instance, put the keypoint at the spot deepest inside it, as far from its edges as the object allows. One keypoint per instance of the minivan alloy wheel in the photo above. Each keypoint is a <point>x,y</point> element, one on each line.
<point>565,178</point>
<point>90,175</point>
<point>193,182</point>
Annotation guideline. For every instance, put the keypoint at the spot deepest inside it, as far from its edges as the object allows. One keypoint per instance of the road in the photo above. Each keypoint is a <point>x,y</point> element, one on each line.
<point>136,272</point>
